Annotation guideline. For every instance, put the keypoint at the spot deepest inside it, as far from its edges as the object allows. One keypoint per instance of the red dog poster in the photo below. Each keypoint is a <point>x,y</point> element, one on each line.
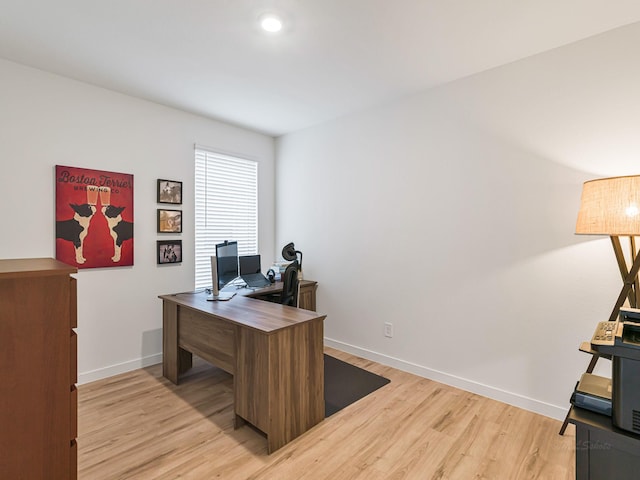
<point>94,217</point>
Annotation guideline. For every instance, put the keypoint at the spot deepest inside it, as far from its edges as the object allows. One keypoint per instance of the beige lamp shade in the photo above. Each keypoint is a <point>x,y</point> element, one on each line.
<point>610,206</point>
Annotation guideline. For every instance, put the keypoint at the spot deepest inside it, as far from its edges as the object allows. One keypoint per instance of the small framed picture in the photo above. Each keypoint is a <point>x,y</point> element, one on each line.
<point>169,191</point>
<point>169,221</point>
<point>169,251</point>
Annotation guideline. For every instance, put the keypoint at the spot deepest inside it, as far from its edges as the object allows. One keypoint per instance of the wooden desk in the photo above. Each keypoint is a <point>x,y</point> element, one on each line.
<point>274,352</point>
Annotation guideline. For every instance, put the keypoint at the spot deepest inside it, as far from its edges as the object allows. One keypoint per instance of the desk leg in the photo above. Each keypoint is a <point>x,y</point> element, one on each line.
<point>175,360</point>
<point>279,381</point>
<point>185,360</point>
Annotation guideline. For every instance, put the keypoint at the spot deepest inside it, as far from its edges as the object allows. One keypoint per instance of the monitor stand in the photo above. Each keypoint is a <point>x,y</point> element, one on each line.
<point>216,295</point>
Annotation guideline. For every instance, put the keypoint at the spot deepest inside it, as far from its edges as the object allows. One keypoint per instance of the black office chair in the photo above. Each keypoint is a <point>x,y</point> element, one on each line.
<point>289,294</point>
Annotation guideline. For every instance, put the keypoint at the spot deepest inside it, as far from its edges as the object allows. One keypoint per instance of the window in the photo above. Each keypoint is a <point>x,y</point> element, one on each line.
<point>226,207</point>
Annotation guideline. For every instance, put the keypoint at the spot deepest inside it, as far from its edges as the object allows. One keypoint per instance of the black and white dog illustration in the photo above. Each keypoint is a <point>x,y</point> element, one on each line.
<point>120,229</point>
<point>75,229</point>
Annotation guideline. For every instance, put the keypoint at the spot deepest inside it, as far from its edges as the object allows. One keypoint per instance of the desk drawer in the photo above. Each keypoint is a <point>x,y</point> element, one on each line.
<point>207,337</point>
<point>307,296</point>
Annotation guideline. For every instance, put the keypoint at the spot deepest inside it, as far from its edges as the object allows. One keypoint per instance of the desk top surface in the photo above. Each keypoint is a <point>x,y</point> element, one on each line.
<point>244,310</point>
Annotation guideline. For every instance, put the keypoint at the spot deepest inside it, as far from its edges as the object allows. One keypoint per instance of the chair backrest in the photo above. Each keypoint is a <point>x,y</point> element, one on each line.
<point>290,285</point>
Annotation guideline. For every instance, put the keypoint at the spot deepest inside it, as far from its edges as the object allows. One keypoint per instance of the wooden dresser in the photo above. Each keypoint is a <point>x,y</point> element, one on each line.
<point>38,370</point>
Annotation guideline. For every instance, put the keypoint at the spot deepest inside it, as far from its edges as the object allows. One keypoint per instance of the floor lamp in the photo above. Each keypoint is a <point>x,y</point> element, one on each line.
<point>611,206</point>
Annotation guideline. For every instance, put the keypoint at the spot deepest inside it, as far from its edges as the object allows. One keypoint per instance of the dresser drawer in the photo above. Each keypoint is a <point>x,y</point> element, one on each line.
<point>73,461</point>
<point>73,302</point>
<point>73,360</point>
<point>73,413</point>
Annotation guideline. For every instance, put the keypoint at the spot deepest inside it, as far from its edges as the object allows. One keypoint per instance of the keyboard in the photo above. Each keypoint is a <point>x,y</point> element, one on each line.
<point>256,280</point>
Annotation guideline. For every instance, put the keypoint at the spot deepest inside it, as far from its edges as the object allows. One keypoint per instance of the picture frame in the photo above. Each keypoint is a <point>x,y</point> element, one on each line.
<point>83,194</point>
<point>169,251</point>
<point>169,191</point>
<point>169,221</point>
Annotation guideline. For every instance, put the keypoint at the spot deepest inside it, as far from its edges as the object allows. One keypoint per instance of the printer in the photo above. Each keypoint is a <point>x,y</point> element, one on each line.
<point>625,374</point>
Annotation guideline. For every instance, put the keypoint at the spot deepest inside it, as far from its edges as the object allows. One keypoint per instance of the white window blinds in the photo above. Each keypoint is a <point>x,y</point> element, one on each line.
<point>226,207</point>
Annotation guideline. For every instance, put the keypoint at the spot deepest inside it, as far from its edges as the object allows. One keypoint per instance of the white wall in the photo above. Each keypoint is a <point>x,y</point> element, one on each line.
<point>451,215</point>
<point>47,120</point>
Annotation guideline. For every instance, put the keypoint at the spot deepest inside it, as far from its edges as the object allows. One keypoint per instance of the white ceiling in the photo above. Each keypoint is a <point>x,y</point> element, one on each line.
<point>333,57</point>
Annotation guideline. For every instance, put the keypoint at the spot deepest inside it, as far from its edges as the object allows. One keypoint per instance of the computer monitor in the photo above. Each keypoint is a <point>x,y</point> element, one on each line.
<point>227,262</point>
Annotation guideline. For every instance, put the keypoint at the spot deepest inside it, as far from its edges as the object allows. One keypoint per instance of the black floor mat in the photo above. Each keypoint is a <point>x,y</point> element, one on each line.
<point>345,383</point>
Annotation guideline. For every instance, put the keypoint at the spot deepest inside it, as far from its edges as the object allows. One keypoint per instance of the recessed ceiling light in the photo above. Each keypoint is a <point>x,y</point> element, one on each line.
<point>271,23</point>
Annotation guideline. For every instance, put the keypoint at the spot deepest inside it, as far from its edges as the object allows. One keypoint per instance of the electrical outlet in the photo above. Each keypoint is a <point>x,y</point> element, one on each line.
<point>388,329</point>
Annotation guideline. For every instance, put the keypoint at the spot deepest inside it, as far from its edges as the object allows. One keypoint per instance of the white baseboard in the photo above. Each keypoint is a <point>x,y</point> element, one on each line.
<point>536,406</point>
<point>552,411</point>
<point>110,371</point>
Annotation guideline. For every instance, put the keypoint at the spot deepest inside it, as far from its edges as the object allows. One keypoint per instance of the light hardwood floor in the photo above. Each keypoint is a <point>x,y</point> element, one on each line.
<point>138,425</point>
